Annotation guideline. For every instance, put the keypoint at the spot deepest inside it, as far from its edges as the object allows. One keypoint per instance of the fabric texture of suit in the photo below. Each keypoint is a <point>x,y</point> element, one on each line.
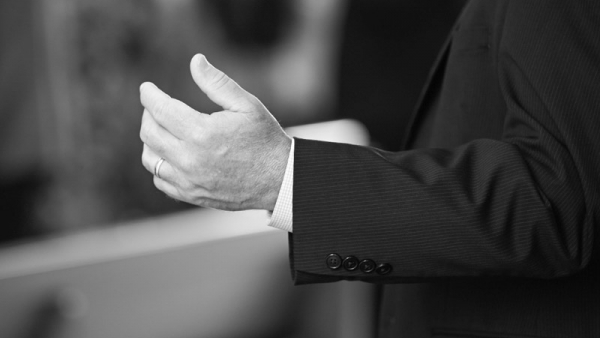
<point>493,207</point>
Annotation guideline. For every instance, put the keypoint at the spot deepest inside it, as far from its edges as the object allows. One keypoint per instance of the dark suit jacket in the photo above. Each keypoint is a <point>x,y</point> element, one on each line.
<point>494,210</point>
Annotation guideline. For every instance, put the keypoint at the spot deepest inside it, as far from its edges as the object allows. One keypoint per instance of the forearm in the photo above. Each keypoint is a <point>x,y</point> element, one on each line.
<point>471,211</point>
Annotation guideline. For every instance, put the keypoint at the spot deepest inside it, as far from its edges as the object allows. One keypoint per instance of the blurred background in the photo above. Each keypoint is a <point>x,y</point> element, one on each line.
<point>70,71</point>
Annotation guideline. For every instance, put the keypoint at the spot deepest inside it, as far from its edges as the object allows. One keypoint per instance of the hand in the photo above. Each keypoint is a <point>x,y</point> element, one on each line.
<point>233,159</point>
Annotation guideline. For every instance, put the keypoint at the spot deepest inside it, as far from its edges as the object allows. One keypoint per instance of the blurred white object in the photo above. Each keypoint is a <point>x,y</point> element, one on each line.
<point>200,273</point>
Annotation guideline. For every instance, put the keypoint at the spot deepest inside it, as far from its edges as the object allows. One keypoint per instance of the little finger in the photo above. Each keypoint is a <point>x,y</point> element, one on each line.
<point>168,188</point>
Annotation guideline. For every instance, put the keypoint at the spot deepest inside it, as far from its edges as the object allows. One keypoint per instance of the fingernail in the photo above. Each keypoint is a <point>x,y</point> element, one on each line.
<point>200,60</point>
<point>145,84</point>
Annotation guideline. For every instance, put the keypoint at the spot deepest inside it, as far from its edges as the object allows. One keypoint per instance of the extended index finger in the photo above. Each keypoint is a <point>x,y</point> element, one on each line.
<point>173,115</point>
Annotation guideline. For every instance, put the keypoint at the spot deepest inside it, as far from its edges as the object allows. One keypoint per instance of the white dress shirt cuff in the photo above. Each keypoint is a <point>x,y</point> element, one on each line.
<point>283,213</point>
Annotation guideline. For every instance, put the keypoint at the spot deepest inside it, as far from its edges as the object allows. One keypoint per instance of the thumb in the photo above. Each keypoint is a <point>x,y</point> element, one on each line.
<point>220,88</point>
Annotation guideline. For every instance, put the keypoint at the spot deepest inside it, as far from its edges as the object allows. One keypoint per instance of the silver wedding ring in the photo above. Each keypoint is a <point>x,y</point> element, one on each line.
<point>157,167</point>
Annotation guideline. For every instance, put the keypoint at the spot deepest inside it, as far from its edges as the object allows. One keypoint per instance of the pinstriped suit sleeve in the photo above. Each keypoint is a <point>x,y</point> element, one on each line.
<point>525,205</point>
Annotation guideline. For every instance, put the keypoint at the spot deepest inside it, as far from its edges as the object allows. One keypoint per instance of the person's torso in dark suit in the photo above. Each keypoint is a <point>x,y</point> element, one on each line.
<point>494,207</point>
<point>465,101</point>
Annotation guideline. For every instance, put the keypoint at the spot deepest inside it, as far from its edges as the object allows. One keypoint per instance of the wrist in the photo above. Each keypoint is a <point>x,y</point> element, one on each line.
<point>278,163</point>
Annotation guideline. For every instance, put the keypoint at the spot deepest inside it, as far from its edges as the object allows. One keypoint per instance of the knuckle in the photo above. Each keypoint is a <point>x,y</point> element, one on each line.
<point>145,156</point>
<point>156,146</point>
<point>201,201</point>
<point>145,163</point>
<point>198,138</point>
<point>219,80</point>
<point>187,164</point>
<point>158,184</point>
<point>144,134</point>
<point>196,196</point>
<point>211,186</point>
<point>186,188</point>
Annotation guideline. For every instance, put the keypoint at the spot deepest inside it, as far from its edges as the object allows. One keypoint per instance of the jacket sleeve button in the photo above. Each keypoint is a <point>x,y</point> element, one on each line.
<point>383,269</point>
<point>367,265</point>
<point>334,261</point>
<point>350,263</point>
